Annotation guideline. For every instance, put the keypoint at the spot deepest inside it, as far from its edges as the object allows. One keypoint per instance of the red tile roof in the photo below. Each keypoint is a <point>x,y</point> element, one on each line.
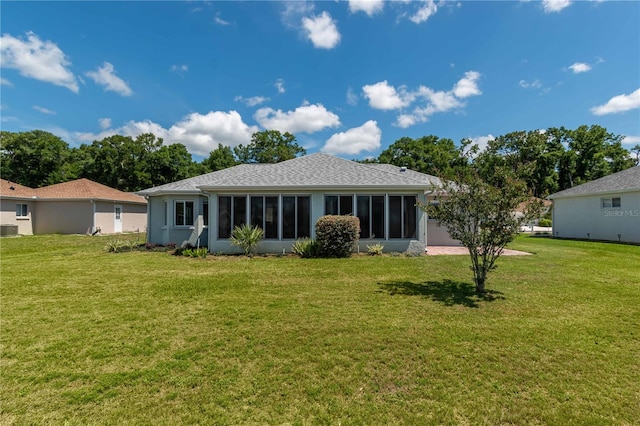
<point>12,189</point>
<point>85,189</point>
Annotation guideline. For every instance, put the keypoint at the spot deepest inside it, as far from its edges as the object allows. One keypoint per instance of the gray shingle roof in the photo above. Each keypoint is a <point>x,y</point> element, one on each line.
<point>315,171</point>
<point>624,181</point>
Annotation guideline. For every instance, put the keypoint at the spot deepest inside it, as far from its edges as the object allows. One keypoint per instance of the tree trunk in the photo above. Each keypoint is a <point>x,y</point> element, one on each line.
<point>480,284</point>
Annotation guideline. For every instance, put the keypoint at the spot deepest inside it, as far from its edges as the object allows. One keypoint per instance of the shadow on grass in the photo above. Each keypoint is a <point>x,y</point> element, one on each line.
<point>447,292</point>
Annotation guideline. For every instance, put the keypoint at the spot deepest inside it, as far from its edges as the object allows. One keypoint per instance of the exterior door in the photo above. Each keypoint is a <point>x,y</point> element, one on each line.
<point>117,222</point>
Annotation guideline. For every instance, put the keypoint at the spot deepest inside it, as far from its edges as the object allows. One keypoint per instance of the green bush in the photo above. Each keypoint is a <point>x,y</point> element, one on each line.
<point>375,249</point>
<point>247,237</point>
<point>195,252</point>
<point>544,222</point>
<point>305,248</point>
<point>337,236</point>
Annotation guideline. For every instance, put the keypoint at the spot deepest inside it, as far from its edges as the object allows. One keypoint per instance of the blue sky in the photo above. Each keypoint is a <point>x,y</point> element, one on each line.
<point>347,78</point>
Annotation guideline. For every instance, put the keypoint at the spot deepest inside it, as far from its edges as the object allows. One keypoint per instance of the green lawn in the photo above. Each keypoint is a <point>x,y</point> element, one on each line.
<point>90,337</point>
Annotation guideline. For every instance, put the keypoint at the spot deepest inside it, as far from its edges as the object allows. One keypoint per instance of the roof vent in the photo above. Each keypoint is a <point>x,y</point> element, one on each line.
<point>403,168</point>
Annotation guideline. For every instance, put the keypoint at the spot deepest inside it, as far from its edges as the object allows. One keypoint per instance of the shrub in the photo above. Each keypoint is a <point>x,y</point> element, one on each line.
<point>246,237</point>
<point>305,248</point>
<point>113,246</point>
<point>544,222</point>
<point>337,236</point>
<point>375,249</point>
<point>195,252</point>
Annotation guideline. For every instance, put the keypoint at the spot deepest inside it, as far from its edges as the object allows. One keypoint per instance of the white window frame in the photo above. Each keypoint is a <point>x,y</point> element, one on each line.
<point>22,211</point>
<point>609,203</point>
<point>175,213</point>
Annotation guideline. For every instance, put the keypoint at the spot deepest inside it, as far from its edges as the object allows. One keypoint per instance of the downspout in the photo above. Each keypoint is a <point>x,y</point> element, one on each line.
<point>426,215</point>
<point>148,230</point>
<point>93,219</point>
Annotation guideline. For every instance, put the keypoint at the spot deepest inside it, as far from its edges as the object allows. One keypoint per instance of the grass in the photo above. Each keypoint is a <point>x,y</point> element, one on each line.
<point>89,337</point>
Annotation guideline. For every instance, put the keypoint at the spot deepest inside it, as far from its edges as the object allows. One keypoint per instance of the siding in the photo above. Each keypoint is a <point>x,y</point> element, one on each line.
<point>583,217</point>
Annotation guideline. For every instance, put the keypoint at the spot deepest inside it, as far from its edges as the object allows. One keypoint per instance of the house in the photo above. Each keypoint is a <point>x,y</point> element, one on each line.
<point>286,199</point>
<point>17,203</point>
<point>76,207</point>
<point>603,209</point>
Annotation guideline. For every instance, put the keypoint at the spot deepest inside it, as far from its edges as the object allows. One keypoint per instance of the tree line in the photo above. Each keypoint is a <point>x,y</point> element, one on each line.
<point>547,161</point>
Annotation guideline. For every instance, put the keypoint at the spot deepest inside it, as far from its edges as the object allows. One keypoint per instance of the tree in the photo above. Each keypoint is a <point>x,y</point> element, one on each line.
<point>269,146</point>
<point>219,159</point>
<point>592,153</point>
<point>532,156</point>
<point>171,163</point>
<point>636,150</point>
<point>36,158</point>
<point>428,154</point>
<point>481,216</point>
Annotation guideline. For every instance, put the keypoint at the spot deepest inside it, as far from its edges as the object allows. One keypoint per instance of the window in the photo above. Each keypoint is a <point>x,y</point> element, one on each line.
<point>166,213</point>
<point>296,217</point>
<point>608,203</point>
<point>184,213</point>
<point>338,204</point>
<point>232,212</point>
<point>205,212</point>
<point>22,210</point>
<point>371,215</point>
<point>264,213</point>
<point>402,216</point>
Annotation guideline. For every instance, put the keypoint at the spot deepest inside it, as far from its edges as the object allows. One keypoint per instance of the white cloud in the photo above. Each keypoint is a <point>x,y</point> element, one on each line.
<point>370,7</point>
<point>482,141</point>
<point>294,11</point>
<point>468,85</point>
<point>352,97</point>
<point>551,6</point>
<point>106,76</point>
<point>200,133</point>
<point>218,20</point>
<point>439,101</point>
<point>5,82</point>
<point>322,31</point>
<point>280,86</point>
<point>252,101</point>
<point>306,118</point>
<point>620,103</point>
<point>535,84</point>
<point>34,58</point>
<point>579,67</point>
<point>105,123</point>
<point>424,12</point>
<point>180,68</point>
<point>44,110</point>
<point>384,96</point>
<point>631,140</point>
<point>354,141</point>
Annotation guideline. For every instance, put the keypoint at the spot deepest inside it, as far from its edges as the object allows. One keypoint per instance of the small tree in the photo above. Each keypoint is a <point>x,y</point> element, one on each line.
<point>246,237</point>
<point>482,217</point>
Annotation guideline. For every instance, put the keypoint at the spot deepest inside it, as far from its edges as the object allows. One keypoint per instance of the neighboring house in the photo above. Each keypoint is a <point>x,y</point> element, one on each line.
<point>77,207</point>
<point>16,206</point>
<point>603,209</point>
<point>286,199</point>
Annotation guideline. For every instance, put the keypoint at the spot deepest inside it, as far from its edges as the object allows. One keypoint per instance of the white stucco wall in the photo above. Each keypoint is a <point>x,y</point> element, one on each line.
<point>584,217</point>
<point>438,235</point>
<point>134,216</point>
<point>63,217</point>
<point>163,233</point>
<point>8,215</point>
